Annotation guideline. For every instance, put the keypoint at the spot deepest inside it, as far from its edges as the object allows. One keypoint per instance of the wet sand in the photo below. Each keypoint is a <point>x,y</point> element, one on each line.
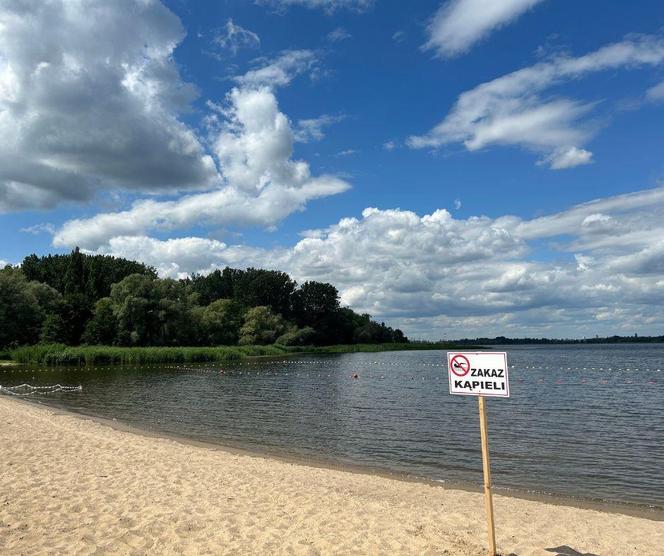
<point>73,485</point>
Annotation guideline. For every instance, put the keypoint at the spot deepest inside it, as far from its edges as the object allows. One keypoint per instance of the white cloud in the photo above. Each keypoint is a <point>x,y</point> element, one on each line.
<point>93,103</point>
<point>312,129</point>
<point>339,34</point>
<point>656,93</point>
<point>36,229</point>
<point>234,37</point>
<point>327,5</point>
<point>457,204</point>
<point>175,257</point>
<point>435,273</point>
<point>459,24</point>
<point>389,145</point>
<point>279,71</point>
<point>569,158</point>
<point>262,183</point>
<point>399,36</point>
<point>510,111</point>
<point>259,181</point>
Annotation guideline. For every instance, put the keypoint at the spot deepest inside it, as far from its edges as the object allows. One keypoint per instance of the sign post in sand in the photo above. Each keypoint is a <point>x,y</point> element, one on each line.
<point>482,374</point>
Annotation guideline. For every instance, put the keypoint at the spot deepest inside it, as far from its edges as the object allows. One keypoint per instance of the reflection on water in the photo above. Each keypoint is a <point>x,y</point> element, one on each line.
<point>582,420</point>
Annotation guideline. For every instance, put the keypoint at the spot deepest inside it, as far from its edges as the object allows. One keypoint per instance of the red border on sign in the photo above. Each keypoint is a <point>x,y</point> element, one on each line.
<point>461,364</point>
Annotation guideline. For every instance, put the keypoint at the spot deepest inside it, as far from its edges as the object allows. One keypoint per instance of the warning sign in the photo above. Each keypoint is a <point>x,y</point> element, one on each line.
<point>482,373</point>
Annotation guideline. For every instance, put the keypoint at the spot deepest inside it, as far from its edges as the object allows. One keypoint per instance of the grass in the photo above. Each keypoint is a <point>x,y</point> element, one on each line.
<point>59,354</point>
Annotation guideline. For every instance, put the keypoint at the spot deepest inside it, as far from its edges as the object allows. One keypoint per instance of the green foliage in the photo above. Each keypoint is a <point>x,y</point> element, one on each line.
<point>75,277</point>
<point>102,328</point>
<point>20,314</point>
<point>54,329</point>
<point>221,321</point>
<point>216,285</point>
<point>103,300</point>
<point>297,337</point>
<point>59,354</point>
<point>75,313</point>
<point>153,312</point>
<point>90,274</point>
<point>261,326</point>
<point>252,287</point>
<point>316,305</point>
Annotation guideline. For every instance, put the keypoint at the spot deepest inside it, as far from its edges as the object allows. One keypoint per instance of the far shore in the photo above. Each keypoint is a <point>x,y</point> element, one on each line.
<point>59,354</point>
<point>72,484</point>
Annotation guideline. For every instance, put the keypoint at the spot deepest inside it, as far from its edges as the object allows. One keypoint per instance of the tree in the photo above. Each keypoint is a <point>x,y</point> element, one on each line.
<point>261,326</point>
<point>176,324</point>
<point>20,315</point>
<point>108,300</point>
<point>94,274</point>
<point>316,304</point>
<point>102,328</point>
<point>75,313</point>
<point>136,307</point>
<point>74,277</point>
<point>255,287</point>
<point>153,312</point>
<point>297,337</point>
<point>54,330</point>
<point>49,299</point>
<point>216,285</point>
<point>221,322</point>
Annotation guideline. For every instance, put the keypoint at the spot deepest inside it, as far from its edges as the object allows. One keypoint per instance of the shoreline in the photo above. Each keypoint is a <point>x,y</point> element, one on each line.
<point>60,355</point>
<point>632,509</point>
<point>74,484</point>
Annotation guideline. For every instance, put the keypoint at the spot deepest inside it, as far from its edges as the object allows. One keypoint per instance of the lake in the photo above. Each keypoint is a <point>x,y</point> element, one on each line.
<point>584,420</point>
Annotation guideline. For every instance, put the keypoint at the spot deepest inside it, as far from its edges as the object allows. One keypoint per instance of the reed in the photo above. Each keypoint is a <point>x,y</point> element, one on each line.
<point>59,354</point>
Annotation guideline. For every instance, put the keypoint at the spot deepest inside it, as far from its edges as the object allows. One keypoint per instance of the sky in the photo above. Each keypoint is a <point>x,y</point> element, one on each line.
<point>456,168</point>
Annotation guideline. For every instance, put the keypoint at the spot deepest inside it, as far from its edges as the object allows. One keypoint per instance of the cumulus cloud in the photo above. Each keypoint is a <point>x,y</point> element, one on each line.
<point>259,183</point>
<point>234,37</point>
<point>175,257</point>
<point>262,182</point>
<point>432,273</point>
<point>511,111</point>
<point>94,103</point>
<point>458,24</point>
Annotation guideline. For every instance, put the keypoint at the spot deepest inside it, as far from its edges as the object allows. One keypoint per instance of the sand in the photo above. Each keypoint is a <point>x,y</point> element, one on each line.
<point>72,485</point>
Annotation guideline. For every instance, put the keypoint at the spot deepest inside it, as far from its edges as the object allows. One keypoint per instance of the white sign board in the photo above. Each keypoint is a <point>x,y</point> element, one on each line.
<point>478,373</point>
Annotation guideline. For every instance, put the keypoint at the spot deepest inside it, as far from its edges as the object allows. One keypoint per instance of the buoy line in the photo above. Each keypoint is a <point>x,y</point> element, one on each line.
<point>28,389</point>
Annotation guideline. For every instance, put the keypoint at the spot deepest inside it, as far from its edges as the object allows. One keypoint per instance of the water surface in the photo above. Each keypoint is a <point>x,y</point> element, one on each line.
<point>584,421</point>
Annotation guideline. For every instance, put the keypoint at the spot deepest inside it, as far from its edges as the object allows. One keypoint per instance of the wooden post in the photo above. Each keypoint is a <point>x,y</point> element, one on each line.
<point>488,500</point>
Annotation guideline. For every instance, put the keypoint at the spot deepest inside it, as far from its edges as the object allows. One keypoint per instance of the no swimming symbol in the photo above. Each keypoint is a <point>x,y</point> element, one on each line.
<point>460,365</point>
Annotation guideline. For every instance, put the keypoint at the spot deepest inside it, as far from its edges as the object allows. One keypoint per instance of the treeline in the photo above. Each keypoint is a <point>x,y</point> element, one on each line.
<point>101,300</point>
<point>502,340</point>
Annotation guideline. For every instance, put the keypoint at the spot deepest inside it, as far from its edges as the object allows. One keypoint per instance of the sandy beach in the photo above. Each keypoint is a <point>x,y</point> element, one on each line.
<point>72,485</point>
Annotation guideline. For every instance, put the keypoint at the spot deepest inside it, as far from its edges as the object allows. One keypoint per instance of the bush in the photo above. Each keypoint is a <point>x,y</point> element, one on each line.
<point>297,337</point>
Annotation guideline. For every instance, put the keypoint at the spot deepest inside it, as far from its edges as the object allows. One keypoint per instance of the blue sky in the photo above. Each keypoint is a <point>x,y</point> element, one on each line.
<point>432,159</point>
